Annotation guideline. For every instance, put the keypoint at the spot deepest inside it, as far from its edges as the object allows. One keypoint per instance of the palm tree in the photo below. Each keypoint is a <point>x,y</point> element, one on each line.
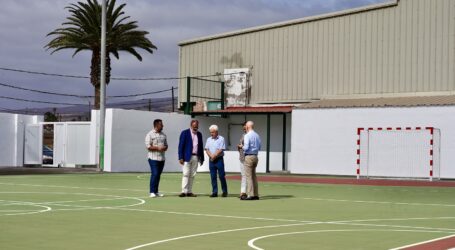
<point>82,31</point>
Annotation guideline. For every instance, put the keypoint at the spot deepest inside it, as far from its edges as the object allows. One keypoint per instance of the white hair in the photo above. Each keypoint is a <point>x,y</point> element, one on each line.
<point>250,124</point>
<point>213,127</point>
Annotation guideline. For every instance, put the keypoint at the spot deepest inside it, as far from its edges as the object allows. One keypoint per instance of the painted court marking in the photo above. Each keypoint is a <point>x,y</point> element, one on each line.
<point>424,242</point>
<point>70,187</point>
<point>24,212</point>
<point>252,241</point>
<point>382,202</point>
<point>211,233</point>
<point>305,198</point>
<point>75,187</point>
<point>74,207</point>
<point>286,225</point>
<point>214,215</point>
<point>141,201</point>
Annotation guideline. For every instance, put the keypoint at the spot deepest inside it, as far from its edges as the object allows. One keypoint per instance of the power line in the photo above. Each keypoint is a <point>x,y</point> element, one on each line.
<point>148,93</point>
<point>112,78</point>
<point>42,73</point>
<point>83,96</point>
<point>64,103</point>
<point>34,101</point>
<point>7,110</point>
<point>43,92</point>
<point>14,111</point>
<point>140,102</point>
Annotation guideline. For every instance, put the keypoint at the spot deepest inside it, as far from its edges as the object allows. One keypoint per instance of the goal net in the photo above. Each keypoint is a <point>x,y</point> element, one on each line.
<point>398,153</point>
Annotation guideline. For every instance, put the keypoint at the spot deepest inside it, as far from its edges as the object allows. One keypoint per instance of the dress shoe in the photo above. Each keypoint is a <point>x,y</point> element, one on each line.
<point>182,195</point>
<point>225,195</point>
<point>252,198</point>
<point>213,195</point>
<point>243,196</point>
<point>191,195</point>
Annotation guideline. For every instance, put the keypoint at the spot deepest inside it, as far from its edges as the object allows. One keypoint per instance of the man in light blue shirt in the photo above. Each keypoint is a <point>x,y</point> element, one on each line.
<point>214,147</point>
<point>251,147</point>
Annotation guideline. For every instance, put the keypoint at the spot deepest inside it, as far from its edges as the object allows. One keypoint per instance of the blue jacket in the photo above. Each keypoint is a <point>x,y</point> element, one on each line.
<point>186,146</point>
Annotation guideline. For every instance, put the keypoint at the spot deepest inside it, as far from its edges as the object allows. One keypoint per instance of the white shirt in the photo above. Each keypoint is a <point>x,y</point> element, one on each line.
<point>154,138</point>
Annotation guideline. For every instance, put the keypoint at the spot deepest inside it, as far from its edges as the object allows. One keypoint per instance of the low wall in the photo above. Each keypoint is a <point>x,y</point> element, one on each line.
<point>125,134</point>
<point>324,140</point>
<point>126,129</point>
<point>12,138</point>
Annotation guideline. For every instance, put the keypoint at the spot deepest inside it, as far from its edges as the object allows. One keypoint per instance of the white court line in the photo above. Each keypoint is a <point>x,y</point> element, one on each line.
<point>72,187</point>
<point>252,241</point>
<point>140,201</point>
<point>140,177</point>
<point>381,202</point>
<point>239,217</point>
<point>213,215</point>
<point>399,219</point>
<point>286,225</point>
<point>382,225</point>
<point>60,202</point>
<point>211,233</point>
<point>424,242</point>
<point>21,212</point>
<point>80,207</point>
<point>288,220</point>
<point>206,215</point>
<point>89,188</point>
<point>305,198</point>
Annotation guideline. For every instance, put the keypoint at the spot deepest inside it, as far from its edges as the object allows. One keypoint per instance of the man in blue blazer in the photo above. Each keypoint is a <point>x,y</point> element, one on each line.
<point>191,152</point>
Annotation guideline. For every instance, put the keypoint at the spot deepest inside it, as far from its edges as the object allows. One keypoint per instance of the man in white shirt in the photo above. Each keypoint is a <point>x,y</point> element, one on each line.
<point>214,147</point>
<point>156,143</point>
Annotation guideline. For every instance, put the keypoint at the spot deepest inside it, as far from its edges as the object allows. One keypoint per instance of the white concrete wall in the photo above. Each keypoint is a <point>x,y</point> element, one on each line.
<point>324,140</point>
<point>12,138</point>
<point>94,137</point>
<point>125,133</point>
<point>126,129</point>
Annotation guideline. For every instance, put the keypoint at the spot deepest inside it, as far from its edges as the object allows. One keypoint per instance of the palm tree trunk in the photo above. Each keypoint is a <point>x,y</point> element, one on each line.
<point>97,96</point>
<point>95,74</point>
<point>95,69</point>
<point>108,68</point>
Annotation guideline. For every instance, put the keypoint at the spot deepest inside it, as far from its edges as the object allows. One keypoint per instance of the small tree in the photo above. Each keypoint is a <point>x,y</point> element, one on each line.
<point>82,31</point>
<point>50,117</point>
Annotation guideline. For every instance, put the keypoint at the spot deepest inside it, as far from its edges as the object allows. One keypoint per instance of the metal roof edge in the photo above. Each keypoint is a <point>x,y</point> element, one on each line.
<point>390,3</point>
<point>382,102</point>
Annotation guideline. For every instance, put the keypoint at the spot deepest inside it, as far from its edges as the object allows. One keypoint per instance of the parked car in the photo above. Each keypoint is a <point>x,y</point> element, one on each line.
<point>48,155</point>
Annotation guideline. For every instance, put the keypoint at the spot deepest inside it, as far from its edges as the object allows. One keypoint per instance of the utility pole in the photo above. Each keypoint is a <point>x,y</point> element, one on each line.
<point>150,104</point>
<point>173,104</point>
<point>103,85</point>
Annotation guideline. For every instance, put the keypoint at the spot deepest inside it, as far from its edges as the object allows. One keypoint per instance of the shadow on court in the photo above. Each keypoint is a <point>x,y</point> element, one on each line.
<point>276,197</point>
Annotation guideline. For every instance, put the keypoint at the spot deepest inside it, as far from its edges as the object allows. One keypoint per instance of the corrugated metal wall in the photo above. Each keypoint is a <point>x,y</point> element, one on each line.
<point>397,50</point>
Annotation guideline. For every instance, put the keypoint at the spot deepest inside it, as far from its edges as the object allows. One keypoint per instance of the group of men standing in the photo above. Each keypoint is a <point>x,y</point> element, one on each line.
<point>191,155</point>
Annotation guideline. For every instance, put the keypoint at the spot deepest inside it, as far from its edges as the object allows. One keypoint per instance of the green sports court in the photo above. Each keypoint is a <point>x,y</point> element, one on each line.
<point>113,211</point>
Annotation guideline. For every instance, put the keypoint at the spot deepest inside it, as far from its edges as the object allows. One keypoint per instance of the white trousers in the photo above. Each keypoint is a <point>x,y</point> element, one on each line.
<point>243,182</point>
<point>189,171</point>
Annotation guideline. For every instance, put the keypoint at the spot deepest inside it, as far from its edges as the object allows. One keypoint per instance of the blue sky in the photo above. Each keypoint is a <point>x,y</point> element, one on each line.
<point>25,23</point>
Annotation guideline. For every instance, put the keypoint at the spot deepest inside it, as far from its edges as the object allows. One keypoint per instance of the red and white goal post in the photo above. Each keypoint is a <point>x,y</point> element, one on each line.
<point>409,152</point>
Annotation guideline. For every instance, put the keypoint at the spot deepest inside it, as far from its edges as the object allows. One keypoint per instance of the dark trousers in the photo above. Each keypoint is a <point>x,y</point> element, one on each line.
<point>156,168</point>
<point>217,167</point>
